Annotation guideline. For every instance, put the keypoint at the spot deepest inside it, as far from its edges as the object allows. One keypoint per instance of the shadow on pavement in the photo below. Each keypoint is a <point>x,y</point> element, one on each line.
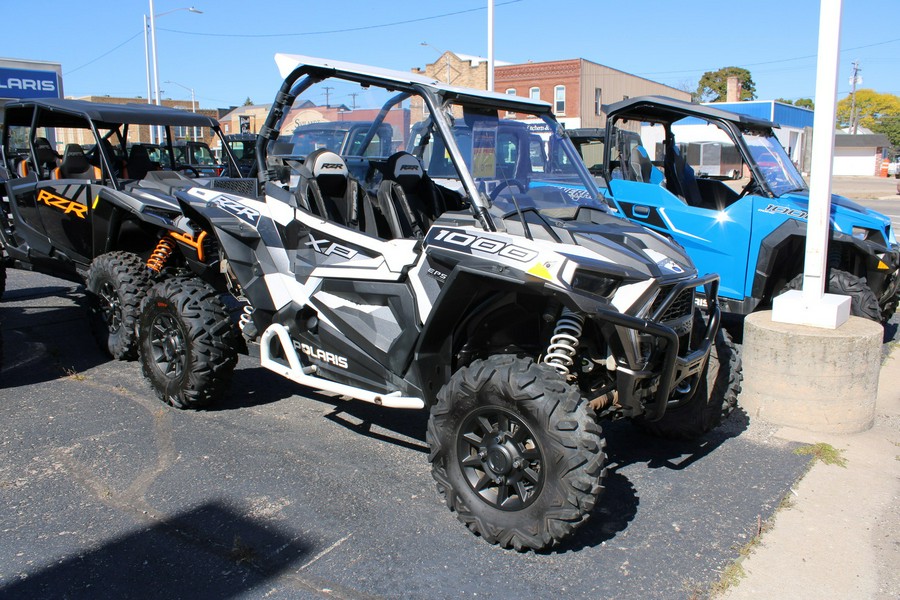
<point>210,551</point>
<point>45,343</point>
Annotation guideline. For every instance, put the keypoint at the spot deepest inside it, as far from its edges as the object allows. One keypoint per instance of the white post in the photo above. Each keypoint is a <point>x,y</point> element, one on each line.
<point>812,306</point>
<point>194,110</point>
<point>147,65</point>
<point>155,59</point>
<point>490,52</point>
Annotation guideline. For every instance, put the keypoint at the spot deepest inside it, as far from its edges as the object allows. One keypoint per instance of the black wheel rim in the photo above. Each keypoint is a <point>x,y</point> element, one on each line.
<point>110,306</point>
<point>167,346</point>
<point>501,458</point>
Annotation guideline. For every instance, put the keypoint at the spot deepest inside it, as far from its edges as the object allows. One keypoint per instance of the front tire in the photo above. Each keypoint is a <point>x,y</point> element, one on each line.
<point>188,343</point>
<point>714,399</point>
<point>863,302</point>
<point>515,452</point>
<point>116,284</point>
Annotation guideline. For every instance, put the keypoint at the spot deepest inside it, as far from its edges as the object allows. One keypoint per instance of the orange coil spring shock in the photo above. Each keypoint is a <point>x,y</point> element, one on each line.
<point>163,249</point>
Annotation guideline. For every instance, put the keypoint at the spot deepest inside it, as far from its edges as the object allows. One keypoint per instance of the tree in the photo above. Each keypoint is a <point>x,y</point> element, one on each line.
<point>713,86</point>
<point>801,102</point>
<point>875,111</point>
<point>248,102</point>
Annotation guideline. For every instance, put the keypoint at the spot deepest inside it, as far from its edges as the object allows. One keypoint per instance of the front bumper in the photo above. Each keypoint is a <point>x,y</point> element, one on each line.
<point>647,388</point>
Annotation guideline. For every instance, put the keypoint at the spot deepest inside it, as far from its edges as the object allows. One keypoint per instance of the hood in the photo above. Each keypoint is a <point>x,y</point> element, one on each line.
<point>609,243</point>
<point>845,213</point>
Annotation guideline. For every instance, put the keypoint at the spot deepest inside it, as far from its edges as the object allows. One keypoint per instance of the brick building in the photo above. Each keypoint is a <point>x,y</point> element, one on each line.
<point>577,88</point>
<point>141,133</point>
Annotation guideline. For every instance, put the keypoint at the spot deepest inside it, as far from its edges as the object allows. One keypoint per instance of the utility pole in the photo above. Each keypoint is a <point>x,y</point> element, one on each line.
<point>327,95</point>
<point>854,79</point>
<point>353,100</point>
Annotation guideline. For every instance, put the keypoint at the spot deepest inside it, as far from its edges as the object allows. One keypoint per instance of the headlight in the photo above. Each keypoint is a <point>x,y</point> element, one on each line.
<point>594,283</point>
<point>861,233</point>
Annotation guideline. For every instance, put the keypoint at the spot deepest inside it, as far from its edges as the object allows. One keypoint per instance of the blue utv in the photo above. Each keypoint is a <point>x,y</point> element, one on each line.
<point>722,185</point>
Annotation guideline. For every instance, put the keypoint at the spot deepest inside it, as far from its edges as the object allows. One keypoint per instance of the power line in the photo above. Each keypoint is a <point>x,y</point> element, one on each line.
<point>348,30</point>
<point>104,54</point>
<point>770,62</point>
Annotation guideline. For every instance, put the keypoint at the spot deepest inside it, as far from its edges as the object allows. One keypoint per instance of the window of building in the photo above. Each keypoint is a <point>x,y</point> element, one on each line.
<point>625,97</point>
<point>559,97</point>
<point>598,105</point>
<point>534,93</point>
<point>510,92</point>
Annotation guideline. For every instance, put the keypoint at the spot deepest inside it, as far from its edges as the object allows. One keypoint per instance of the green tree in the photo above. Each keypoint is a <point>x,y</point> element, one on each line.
<point>248,102</point>
<point>713,86</point>
<point>875,111</point>
<point>801,102</point>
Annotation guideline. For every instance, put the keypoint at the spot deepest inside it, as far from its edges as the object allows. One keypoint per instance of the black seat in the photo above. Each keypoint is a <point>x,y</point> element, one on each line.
<point>407,198</point>
<point>139,163</point>
<point>75,164</point>
<point>640,165</point>
<point>327,189</point>
<point>686,181</point>
<point>47,158</point>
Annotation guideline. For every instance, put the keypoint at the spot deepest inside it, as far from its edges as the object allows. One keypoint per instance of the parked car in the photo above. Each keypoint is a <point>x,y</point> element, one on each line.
<point>243,147</point>
<point>196,157</point>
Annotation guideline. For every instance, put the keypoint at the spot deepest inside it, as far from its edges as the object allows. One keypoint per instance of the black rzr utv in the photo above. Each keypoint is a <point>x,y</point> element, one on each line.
<point>458,277</point>
<point>80,203</point>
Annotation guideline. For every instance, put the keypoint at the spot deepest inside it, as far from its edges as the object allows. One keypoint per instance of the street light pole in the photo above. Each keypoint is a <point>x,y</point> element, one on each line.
<point>153,16</point>
<point>193,102</point>
<point>147,64</point>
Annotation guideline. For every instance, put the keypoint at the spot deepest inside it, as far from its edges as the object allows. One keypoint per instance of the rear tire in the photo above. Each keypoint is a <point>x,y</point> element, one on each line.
<point>116,285</point>
<point>515,452</point>
<point>715,398</point>
<point>188,343</point>
<point>863,302</point>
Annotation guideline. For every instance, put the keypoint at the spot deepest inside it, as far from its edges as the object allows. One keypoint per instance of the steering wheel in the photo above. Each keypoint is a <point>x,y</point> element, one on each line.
<point>746,189</point>
<point>505,184</point>
<point>180,167</point>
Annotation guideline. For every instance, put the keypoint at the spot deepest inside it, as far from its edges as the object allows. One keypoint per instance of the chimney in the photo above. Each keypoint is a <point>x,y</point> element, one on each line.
<point>733,93</point>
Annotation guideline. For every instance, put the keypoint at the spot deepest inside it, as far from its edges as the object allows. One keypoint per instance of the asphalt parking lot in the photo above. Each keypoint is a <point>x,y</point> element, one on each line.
<point>284,493</point>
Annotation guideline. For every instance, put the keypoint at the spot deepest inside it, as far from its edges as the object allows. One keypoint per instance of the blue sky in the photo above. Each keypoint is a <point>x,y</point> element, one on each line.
<point>226,53</point>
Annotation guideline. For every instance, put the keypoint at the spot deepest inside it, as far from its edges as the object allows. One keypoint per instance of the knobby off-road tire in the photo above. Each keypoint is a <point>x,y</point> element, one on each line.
<point>516,452</point>
<point>187,342</point>
<point>715,398</point>
<point>116,284</point>
<point>863,302</point>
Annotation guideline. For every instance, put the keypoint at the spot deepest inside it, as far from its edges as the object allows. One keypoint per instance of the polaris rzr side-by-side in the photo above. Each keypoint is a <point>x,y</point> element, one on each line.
<point>722,185</point>
<point>80,203</point>
<point>454,277</point>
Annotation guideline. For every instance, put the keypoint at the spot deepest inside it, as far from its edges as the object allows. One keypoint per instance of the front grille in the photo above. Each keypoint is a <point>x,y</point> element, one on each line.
<point>682,306</point>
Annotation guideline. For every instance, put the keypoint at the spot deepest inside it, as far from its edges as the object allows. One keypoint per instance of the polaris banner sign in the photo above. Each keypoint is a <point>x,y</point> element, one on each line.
<point>27,83</point>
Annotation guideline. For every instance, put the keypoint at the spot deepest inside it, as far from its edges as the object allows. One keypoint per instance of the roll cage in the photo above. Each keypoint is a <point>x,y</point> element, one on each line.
<point>106,122</point>
<point>301,72</point>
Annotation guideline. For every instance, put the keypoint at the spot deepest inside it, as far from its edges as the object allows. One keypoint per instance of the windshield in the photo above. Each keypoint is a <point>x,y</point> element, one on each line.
<point>773,163</point>
<point>510,159</point>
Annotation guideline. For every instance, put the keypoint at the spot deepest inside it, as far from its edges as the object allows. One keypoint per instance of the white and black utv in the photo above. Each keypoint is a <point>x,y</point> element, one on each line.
<point>460,277</point>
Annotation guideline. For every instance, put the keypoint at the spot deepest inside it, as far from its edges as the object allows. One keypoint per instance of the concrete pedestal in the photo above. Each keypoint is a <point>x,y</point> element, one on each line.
<point>823,380</point>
